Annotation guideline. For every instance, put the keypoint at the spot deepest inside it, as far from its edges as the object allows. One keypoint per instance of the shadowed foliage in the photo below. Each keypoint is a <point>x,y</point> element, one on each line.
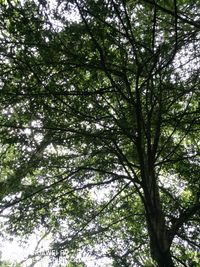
<point>100,127</point>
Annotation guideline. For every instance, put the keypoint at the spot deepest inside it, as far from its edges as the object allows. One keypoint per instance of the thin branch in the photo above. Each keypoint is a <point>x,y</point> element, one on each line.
<point>17,201</point>
<point>89,185</point>
<point>192,243</point>
<point>34,255</point>
<point>184,217</point>
<point>64,243</point>
<point>174,130</point>
<point>179,261</point>
<point>154,27</point>
<point>101,53</point>
<point>123,160</point>
<point>176,24</point>
<point>167,11</point>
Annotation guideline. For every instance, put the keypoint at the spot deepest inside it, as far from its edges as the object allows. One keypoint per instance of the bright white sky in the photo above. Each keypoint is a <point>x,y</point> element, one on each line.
<point>12,251</point>
<point>15,253</point>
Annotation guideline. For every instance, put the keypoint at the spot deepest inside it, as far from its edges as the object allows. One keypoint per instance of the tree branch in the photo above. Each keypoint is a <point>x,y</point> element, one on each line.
<point>167,11</point>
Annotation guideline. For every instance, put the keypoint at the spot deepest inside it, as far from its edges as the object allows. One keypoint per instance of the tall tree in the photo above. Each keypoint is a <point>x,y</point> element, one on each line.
<point>100,127</point>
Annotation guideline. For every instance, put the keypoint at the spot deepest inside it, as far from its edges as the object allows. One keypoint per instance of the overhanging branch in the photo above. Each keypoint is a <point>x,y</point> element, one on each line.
<point>172,13</point>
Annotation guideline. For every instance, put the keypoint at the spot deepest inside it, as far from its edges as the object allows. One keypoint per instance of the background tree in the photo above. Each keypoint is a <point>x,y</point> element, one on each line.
<point>100,127</point>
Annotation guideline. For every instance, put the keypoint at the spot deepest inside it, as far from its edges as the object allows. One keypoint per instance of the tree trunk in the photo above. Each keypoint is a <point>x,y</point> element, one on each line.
<point>160,255</point>
<point>159,240</point>
<point>164,259</point>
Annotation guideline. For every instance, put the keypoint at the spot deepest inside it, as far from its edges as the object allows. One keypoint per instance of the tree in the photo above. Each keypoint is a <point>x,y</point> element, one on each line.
<point>100,127</point>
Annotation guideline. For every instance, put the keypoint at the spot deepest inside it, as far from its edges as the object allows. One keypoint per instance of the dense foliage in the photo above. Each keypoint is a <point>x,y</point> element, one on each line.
<point>100,127</point>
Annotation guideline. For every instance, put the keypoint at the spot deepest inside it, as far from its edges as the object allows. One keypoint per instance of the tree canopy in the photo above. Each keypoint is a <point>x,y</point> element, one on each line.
<point>100,127</point>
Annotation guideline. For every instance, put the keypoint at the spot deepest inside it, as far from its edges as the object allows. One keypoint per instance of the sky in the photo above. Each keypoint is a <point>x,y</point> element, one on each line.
<point>14,252</point>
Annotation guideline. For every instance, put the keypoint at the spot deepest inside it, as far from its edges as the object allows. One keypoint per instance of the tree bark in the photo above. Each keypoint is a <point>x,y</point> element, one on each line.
<point>159,253</point>
<point>159,238</point>
<point>163,259</point>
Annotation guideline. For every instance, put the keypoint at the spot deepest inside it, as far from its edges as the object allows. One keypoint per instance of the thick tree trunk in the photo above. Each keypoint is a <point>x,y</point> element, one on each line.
<point>157,229</point>
<point>159,244</point>
<point>159,239</point>
<point>160,254</point>
<point>164,259</point>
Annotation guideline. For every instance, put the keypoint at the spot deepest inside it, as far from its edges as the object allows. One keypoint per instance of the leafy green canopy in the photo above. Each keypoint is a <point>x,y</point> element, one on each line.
<point>100,127</point>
